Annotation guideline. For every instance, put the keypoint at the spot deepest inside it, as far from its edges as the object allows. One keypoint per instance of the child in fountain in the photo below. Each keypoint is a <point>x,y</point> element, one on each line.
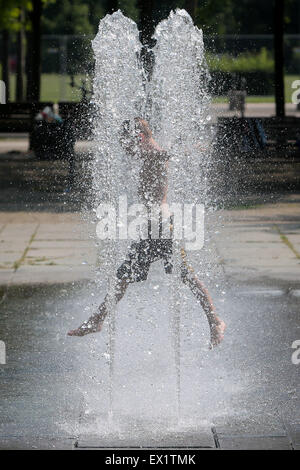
<point>137,139</point>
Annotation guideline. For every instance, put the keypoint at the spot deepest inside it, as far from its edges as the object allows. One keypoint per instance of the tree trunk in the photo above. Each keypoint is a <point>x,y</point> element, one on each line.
<point>5,64</point>
<point>112,5</point>
<point>34,54</point>
<point>279,59</point>
<point>20,61</point>
<point>146,20</point>
<point>190,6</point>
<point>28,65</point>
<point>146,27</point>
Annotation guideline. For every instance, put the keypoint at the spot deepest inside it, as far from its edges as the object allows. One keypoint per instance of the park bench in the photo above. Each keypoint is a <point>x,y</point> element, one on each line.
<point>48,140</point>
<point>280,136</point>
<point>19,117</point>
<point>243,166</point>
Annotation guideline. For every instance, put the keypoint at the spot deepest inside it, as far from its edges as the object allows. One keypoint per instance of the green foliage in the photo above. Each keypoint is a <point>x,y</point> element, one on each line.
<point>245,16</point>
<point>66,17</point>
<point>216,16</point>
<point>80,16</point>
<point>245,62</point>
<point>10,13</point>
<point>96,12</point>
<point>129,8</point>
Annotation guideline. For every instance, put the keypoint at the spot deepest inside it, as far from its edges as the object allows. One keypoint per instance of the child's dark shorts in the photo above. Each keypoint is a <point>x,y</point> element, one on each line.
<point>140,256</point>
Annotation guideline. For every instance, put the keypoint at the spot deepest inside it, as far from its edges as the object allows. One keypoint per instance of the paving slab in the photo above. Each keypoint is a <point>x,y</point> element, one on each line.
<point>51,380</point>
<point>256,251</point>
<point>10,258</point>
<point>18,230</point>
<point>294,239</point>
<point>40,217</point>
<point>250,236</point>
<point>62,231</point>
<point>60,244</point>
<point>68,257</point>
<point>12,245</point>
<point>254,443</point>
<point>191,439</point>
<point>293,430</point>
<point>49,376</point>
<point>253,434</point>
<point>238,273</point>
<point>6,276</point>
<point>52,274</point>
<point>36,443</point>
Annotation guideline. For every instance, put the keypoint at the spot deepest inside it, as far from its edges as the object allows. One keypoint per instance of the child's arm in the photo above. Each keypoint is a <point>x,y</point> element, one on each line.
<point>164,204</point>
<point>164,199</point>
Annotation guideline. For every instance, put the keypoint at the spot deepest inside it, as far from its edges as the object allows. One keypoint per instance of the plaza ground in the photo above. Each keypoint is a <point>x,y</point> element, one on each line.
<point>55,389</point>
<point>242,395</point>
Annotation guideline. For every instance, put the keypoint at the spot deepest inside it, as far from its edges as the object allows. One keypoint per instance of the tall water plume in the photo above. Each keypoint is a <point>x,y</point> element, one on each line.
<point>178,104</point>
<point>175,101</point>
<point>118,96</point>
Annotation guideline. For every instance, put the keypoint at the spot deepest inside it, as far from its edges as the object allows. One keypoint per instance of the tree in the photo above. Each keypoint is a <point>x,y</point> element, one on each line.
<point>66,17</point>
<point>9,22</point>
<point>279,59</point>
<point>96,11</point>
<point>112,5</point>
<point>146,20</point>
<point>20,65</point>
<point>191,7</point>
<point>34,58</point>
<point>70,18</point>
<point>146,27</point>
<point>217,16</point>
<point>15,16</point>
<point>129,8</point>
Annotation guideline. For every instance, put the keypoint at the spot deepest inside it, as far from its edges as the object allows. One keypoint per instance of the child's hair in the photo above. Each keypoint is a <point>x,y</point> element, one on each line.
<point>131,128</point>
<point>126,127</point>
<point>143,126</point>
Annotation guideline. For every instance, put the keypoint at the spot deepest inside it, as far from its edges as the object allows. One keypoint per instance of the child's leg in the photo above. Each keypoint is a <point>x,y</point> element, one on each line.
<point>94,323</point>
<point>217,326</point>
<point>134,268</point>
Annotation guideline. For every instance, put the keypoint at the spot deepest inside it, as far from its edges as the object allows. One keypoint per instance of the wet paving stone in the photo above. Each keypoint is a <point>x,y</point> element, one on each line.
<point>167,440</point>
<point>293,430</point>
<point>36,443</point>
<point>55,386</point>
<point>255,443</point>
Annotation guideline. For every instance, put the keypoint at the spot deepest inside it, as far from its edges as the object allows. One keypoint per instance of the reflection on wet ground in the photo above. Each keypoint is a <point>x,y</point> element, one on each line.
<point>56,387</point>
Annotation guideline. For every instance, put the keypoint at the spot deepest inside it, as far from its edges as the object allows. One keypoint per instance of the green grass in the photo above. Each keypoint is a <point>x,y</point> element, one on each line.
<point>288,80</point>
<point>249,99</point>
<point>52,87</point>
<point>287,242</point>
<point>53,84</point>
<point>261,99</point>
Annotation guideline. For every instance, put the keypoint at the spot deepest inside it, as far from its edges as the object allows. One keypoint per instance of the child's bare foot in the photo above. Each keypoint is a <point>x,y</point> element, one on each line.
<point>217,330</point>
<point>90,326</point>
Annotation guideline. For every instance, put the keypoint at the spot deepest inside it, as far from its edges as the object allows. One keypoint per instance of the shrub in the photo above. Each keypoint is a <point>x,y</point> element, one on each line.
<point>245,62</point>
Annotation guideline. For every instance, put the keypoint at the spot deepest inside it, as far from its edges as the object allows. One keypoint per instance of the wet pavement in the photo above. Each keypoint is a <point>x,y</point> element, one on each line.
<point>55,389</point>
<point>242,244</point>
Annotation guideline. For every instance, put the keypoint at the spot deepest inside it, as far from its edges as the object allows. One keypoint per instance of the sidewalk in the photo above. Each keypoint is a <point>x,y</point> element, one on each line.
<point>54,389</point>
<point>44,248</point>
<point>47,248</point>
<point>263,241</point>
